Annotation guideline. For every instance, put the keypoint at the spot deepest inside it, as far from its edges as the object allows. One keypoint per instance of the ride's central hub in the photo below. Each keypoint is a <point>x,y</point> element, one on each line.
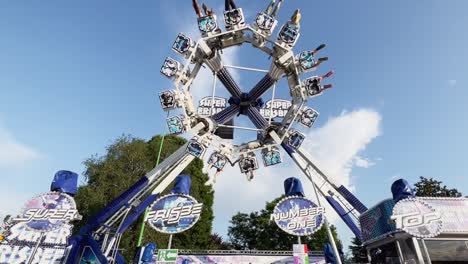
<point>244,102</point>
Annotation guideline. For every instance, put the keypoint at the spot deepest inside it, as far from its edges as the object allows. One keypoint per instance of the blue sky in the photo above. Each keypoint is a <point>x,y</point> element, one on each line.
<point>74,76</point>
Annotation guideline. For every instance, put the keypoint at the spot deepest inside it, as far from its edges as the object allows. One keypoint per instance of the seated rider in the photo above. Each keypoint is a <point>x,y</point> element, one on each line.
<point>272,10</point>
<point>229,5</point>
<point>196,7</point>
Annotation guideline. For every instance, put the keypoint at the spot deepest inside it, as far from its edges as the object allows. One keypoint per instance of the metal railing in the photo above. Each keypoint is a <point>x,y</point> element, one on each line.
<point>243,252</point>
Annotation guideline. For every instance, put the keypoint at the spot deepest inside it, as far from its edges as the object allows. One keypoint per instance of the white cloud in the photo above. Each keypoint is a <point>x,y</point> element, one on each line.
<point>336,145</point>
<point>335,148</point>
<point>14,155</point>
<point>12,152</point>
<point>363,162</point>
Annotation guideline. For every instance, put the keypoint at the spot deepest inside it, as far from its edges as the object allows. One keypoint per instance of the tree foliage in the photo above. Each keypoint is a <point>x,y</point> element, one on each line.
<point>126,160</point>
<point>434,188</point>
<point>357,251</point>
<point>256,231</point>
<point>218,243</point>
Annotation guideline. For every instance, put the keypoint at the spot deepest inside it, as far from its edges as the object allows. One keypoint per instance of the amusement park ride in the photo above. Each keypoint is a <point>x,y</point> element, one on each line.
<point>403,229</point>
<point>103,232</point>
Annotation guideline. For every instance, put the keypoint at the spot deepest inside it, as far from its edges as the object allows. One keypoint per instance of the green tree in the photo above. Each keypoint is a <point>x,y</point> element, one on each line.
<point>256,231</point>
<point>126,160</point>
<point>434,188</point>
<point>357,251</point>
<point>219,243</point>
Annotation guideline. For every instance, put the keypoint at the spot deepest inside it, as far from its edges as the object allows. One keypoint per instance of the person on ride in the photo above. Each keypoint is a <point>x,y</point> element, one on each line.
<point>229,5</point>
<point>272,10</point>
<point>196,7</point>
<point>208,12</point>
<point>295,18</point>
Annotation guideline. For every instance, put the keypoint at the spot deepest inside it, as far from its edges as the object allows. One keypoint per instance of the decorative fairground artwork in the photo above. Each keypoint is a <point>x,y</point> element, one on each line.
<point>167,100</point>
<point>271,156</point>
<point>175,125</point>
<point>174,213</point>
<point>207,24</point>
<point>275,108</point>
<point>20,240</point>
<point>182,44</point>
<point>376,222</point>
<point>288,34</point>
<point>244,259</point>
<point>47,212</point>
<point>170,67</point>
<point>298,216</point>
<point>217,160</point>
<point>205,105</point>
<point>417,218</point>
<point>195,148</point>
<point>301,254</point>
<point>296,139</point>
<point>265,22</point>
<point>234,17</point>
<point>308,117</point>
<point>271,109</point>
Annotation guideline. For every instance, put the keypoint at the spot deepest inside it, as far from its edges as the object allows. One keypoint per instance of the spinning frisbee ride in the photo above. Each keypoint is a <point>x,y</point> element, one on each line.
<point>206,126</point>
<point>271,135</point>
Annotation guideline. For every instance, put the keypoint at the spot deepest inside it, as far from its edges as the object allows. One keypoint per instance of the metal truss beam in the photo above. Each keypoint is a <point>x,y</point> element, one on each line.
<point>227,114</point>
<point>254,115</point>
<point>261,87</point>
<point>226,79</point>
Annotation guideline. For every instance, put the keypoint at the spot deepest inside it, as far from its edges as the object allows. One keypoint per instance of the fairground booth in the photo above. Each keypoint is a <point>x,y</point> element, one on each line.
<point>409,229</point>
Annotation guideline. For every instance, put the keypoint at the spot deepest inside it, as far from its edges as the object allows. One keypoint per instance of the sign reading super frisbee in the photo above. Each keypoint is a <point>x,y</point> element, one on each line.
<point>275,108</point>
<point>174,213</point>
<point>48,212</point>
<point>298,216</point>
<point>206,104</point>
<point>16,246</point>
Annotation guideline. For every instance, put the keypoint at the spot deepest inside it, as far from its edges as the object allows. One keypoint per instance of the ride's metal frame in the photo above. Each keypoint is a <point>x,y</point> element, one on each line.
<point>109,224</point>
